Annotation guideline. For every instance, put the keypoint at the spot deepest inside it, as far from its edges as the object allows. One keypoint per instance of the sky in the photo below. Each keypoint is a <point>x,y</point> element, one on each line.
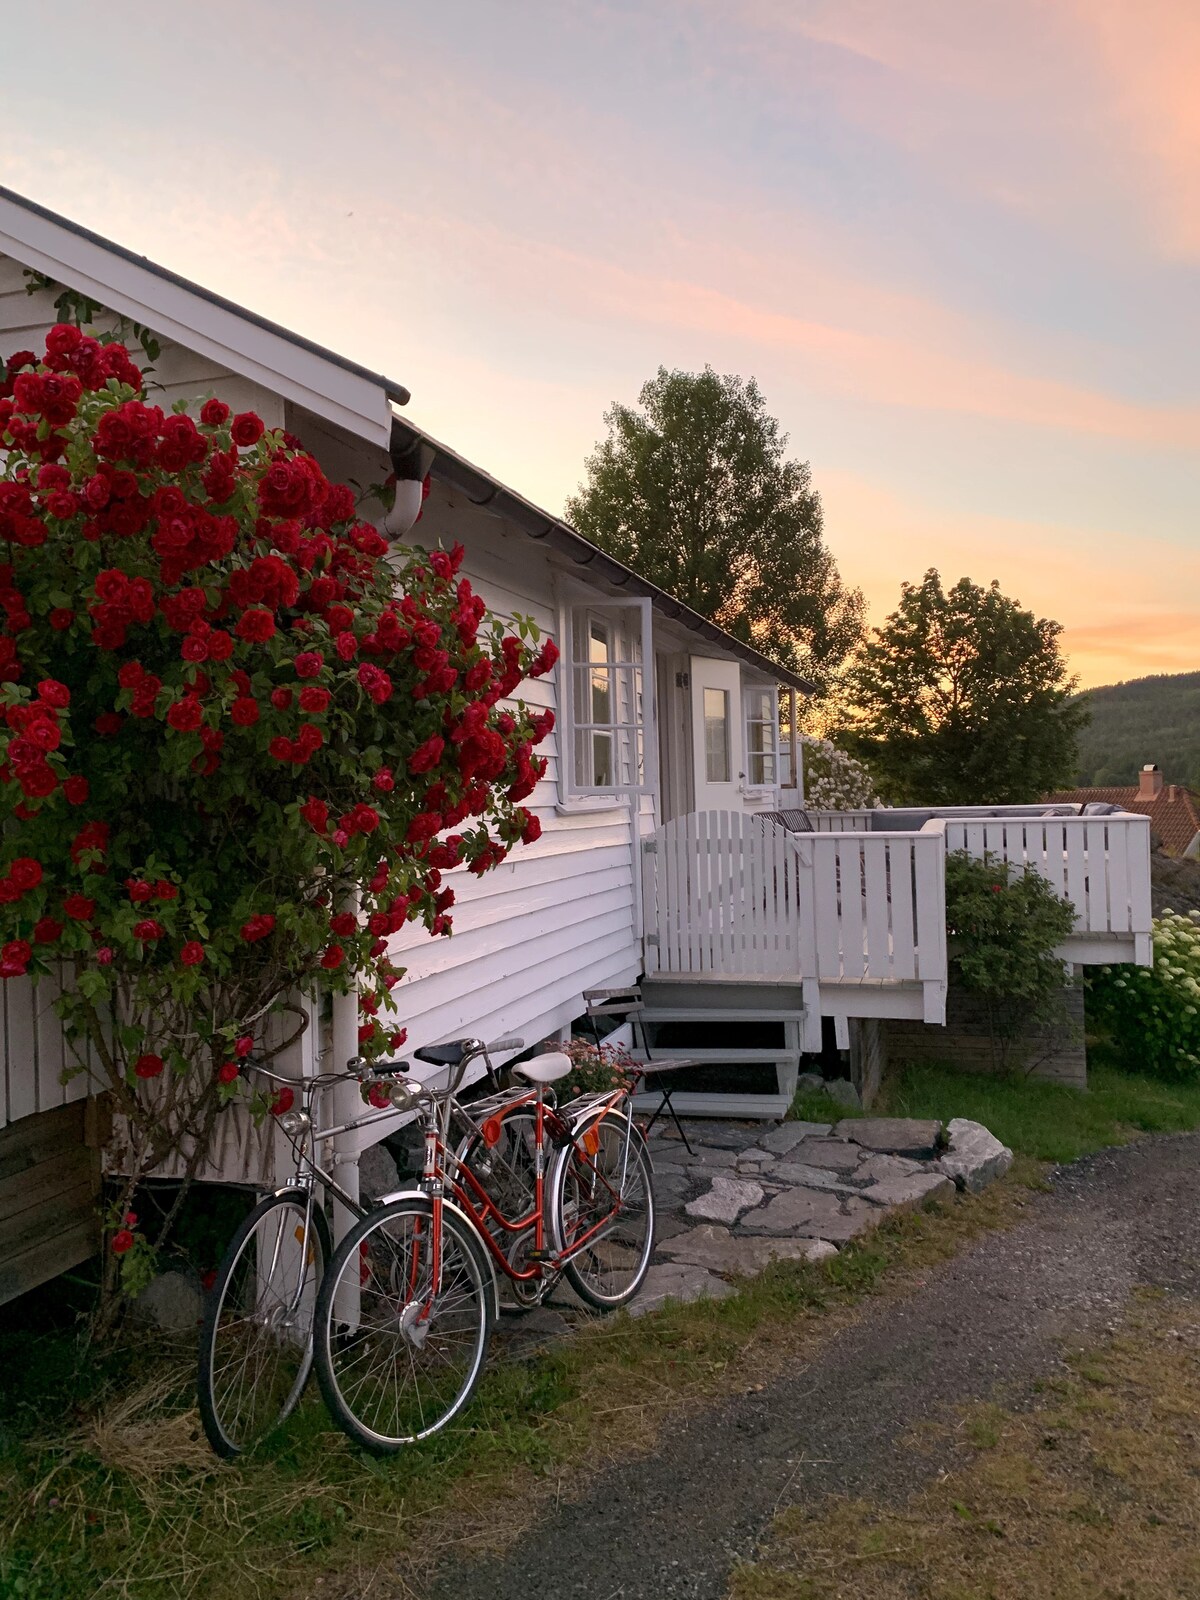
<point>957,242</point>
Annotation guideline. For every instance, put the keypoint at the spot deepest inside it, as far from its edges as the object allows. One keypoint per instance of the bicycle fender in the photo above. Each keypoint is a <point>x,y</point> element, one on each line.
<point>419,1194</point>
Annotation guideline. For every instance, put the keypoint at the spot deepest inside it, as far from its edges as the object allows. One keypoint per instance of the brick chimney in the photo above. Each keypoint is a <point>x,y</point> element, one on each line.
<point>1150,782</point>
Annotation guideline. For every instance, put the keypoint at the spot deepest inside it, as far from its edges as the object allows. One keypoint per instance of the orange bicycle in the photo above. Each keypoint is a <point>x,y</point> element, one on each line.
<point>532,1193</point>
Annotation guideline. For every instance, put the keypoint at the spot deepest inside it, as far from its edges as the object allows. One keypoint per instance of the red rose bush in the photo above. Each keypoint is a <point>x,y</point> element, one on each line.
<point>241,741</point>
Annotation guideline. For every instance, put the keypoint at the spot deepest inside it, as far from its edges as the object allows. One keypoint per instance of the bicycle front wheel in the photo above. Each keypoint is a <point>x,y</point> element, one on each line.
<point>398,1354</point>
<point>602,1210</point>
<point>256,1345</point>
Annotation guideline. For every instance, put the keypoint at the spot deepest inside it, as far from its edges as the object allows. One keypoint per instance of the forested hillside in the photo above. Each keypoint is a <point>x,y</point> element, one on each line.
<point>1146,719</point>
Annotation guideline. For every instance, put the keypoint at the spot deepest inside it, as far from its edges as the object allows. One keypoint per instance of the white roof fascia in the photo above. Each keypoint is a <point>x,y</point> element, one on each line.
<point>170,310</point>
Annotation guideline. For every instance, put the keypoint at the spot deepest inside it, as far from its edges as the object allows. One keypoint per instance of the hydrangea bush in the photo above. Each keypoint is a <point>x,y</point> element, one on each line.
<point>833,780</point>
<point>1152,1014</point>
<point>241,742</point>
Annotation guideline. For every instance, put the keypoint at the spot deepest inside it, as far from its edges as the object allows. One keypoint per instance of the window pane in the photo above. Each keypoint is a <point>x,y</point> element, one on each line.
<point>758,705</point>
<point>601,695</point>
<point>716,735</point>
<point>598,647</point>
<point>602,764</point>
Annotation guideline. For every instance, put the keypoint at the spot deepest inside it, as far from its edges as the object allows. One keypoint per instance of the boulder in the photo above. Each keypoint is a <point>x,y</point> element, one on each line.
<point>975,1157</point>
<point>726,1200</point>
<point>893,1136</point>
<point>172,1301</point>
<point>783,1139</point>
<point>721,1251</point>
<point>842,1092</point>
<point>881,1169</point>
<point>377,1172</point>
<point>909,1194</point>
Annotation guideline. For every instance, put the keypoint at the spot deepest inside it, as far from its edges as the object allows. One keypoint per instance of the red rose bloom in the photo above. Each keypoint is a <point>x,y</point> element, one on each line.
<point>148,930</point>
<point>192,953</point>
<point>247,429</point>
<point>316,813</point>
<point>244,711</point>
<point>185,715</point>
<point>243,1046</point>
<point>54,693</point>
<point>256,626</point>
<point>343,924</point>
<point>308,664</point>
<point>46,930</point>
<point>122,1240</point>
<point>214,414</point>
<point>139,892</point>
<point>26,873</point>
<point>282,1100</point>
<point>76,790</point>
<point>333,957</point>
<point>60,619</point>
<point>227,1072</point>
<point>314,700</point>
<point>79,908</point>
<point>258,927</point>
<point>148,1066</point>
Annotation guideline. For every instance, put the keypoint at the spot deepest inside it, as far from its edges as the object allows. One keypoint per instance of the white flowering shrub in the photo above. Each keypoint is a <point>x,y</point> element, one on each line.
<point>1152,1014</point>
<point>834,781</point>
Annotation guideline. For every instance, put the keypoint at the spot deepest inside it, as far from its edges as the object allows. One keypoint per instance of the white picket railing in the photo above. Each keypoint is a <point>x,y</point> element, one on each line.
<point>727,894</point>
<point>1100,864</point>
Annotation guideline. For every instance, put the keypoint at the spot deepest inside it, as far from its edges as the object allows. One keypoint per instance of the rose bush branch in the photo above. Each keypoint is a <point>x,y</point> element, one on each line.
<point>226,708</point>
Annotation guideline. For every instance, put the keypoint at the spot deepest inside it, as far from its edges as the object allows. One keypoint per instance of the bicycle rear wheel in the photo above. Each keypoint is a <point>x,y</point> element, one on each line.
<point>396,1360</point>
<point>256,1346</point>
<point>507,1172</point>
<point>601,1204</point>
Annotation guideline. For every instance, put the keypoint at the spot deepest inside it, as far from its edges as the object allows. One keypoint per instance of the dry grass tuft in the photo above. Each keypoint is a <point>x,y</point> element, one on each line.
<point>144,1437</point>
<point>1092,1495</point>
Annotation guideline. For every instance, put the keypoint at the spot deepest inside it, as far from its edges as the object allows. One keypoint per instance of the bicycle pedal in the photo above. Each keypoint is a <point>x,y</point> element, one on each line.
<point>537,1255</point>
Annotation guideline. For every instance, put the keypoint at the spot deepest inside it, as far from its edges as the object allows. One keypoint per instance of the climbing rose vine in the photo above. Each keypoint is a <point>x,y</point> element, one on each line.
<point>241,742</point>
<point>833,780</point>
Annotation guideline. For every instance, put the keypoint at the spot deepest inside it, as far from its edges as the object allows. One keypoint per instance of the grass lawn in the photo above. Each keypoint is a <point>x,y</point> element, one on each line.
<point>1094,1492</point>
<point>107,1487</point>
<point>1042,1120</point>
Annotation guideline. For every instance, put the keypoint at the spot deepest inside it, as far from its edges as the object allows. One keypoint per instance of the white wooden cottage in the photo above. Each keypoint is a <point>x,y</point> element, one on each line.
<point>655,856</point>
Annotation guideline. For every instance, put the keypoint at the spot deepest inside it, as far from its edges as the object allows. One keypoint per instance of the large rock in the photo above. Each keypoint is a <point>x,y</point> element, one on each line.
<point>755,1161</point>
<point>172,1301</point>
<point>809,1214</point>
<point>377,1172</point>
<point>783,1139</point>
<point>908,1194</point>
<point>677,1280</point>
<point>726,1200</point>
<point>893,1136</point>
<point>975,1157</point>
<point>835,1154</point>
<point>721,1251</point>
<point>842,1092</point>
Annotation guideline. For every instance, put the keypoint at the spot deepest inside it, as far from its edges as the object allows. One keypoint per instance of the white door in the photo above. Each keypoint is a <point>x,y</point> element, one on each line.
<point>717,734</point>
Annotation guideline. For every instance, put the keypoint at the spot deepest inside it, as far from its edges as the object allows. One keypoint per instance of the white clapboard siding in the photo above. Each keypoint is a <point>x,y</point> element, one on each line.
<point>41,1069</point>
<point>727,894</point>
<point>1100,864</point>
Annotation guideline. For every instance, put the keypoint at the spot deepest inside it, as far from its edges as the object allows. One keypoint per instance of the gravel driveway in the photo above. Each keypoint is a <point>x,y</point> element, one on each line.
<point>990,1321</point>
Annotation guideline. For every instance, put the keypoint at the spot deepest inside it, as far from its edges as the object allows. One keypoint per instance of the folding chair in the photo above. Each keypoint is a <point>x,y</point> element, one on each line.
<point>627,1004</point>
<point>794,821</point>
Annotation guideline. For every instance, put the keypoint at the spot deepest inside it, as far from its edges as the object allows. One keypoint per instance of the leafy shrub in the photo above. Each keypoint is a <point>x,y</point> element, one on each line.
<point>1004,925</point>
<point>1152,1014</point>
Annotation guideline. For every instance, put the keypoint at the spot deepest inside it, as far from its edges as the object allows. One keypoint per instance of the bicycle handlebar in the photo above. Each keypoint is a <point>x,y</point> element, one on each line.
<point>511,1043</point>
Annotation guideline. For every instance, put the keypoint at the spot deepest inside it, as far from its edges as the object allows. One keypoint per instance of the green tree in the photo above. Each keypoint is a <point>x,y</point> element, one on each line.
<point>694,491</point>
<point>962,698</point>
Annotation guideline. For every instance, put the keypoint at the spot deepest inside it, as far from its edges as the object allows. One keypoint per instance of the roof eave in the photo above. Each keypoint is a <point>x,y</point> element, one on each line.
<point>484,490</point>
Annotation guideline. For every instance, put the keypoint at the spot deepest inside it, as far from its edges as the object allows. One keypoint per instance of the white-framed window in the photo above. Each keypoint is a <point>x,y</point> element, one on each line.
<point>608,750</point>
<point>718,759</point>
<point>762,738</point>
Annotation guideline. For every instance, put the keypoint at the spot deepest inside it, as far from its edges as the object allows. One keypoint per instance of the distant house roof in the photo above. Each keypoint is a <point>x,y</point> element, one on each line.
<point>1174,811</point>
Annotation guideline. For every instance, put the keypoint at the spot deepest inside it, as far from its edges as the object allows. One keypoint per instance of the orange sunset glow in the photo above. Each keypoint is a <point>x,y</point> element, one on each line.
<point>957,245</point>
